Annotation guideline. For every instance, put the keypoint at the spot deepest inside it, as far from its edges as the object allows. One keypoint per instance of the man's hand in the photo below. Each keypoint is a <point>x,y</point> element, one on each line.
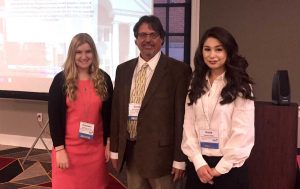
<point>178,174</point>
<point>62,160</point>
<point>114,163</point>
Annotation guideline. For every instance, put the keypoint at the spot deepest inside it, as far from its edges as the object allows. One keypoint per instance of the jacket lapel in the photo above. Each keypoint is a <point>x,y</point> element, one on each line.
<point>159,72</point>
<point>128,80</point>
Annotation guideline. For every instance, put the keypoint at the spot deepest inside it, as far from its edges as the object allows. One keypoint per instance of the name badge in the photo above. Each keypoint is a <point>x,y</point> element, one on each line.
<point>209,139</point>
<point>86,130</point>
<point>133,111</point>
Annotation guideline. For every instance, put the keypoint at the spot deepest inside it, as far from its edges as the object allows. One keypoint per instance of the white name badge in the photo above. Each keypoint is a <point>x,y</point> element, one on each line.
<point>86,130</point>
<point>133,111</point>
<point>209,139</point>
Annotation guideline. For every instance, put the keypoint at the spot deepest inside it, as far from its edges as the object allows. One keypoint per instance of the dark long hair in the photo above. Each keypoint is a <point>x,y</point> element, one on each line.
<point>238,80</point>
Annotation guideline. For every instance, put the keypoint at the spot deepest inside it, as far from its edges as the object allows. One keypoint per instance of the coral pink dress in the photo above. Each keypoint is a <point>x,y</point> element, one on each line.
<point>87,167</point>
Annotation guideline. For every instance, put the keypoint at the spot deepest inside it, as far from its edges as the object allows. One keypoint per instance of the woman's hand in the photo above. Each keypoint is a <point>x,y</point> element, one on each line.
<point>107,153</point>
<point>204,174</point>
<point>214,172</point>
<point>62,160</point>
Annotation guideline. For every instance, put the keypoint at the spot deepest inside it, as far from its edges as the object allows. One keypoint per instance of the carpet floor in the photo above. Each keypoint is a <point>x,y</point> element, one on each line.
<point>35,172</point>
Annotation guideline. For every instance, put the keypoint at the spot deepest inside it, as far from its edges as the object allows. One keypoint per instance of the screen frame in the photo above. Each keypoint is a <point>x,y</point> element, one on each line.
<point>24,95</point>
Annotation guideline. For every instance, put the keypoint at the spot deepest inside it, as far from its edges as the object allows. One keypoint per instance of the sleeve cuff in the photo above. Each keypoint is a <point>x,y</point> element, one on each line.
<point>179,165</point>
<point>223,166</point>
<point>198,161</point>
<point>114,155</point>
<point>57,148</point>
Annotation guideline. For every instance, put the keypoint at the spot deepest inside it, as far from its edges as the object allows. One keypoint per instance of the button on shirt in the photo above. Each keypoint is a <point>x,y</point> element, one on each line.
<point>234,122</point>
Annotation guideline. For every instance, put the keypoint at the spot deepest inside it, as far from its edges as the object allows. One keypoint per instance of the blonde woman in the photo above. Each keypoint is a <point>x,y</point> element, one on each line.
<point>79,109</point>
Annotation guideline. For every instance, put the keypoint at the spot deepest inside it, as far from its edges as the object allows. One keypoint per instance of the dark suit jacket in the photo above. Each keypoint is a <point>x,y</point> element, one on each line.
<point>160,119</point>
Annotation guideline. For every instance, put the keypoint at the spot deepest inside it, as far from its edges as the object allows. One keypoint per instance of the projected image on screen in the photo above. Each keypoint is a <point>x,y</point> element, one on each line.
<point>35,36</point>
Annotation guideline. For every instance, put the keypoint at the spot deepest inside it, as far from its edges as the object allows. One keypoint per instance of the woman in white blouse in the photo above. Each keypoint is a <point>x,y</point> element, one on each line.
<point>218,126</point>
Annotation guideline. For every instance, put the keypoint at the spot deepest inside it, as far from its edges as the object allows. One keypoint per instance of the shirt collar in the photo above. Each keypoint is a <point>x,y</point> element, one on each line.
<point>220,78</point>
<point>152,62</point>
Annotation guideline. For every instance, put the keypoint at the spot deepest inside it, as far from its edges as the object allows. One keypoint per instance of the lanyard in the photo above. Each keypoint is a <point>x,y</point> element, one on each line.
<point>86,98</point>
<point>207,117</point>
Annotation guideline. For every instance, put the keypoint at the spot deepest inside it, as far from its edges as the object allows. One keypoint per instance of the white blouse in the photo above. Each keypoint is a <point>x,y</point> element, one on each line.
<point>234,123</point>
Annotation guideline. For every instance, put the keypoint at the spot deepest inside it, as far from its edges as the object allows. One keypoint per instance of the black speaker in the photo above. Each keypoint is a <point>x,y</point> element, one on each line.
<point>281,88</point>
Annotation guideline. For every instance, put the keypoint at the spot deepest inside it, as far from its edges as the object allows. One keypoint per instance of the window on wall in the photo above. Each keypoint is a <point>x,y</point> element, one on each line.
<point>175,16</point>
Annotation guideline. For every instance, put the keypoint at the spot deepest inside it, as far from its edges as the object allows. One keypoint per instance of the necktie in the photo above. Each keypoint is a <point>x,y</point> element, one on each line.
<point>137,96</point>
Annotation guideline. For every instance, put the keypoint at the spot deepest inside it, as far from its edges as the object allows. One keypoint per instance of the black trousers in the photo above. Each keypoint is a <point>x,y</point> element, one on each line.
<point>236,178</point>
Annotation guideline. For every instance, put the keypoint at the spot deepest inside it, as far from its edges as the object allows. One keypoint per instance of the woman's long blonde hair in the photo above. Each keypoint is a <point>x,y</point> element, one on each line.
<point>71,71</point>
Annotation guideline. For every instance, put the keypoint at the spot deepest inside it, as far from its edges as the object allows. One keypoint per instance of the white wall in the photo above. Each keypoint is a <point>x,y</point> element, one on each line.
<point>18,122</point>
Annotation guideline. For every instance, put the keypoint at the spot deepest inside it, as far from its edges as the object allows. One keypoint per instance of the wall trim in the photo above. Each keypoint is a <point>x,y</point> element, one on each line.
<point>195,24</point>
<point>24,141</point>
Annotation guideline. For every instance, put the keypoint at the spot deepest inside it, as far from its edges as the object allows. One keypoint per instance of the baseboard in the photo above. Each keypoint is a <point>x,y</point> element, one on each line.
<point>24,141</point>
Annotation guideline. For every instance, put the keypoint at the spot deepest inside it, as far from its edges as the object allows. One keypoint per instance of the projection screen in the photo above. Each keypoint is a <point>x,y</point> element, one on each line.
<point>35,35</point>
